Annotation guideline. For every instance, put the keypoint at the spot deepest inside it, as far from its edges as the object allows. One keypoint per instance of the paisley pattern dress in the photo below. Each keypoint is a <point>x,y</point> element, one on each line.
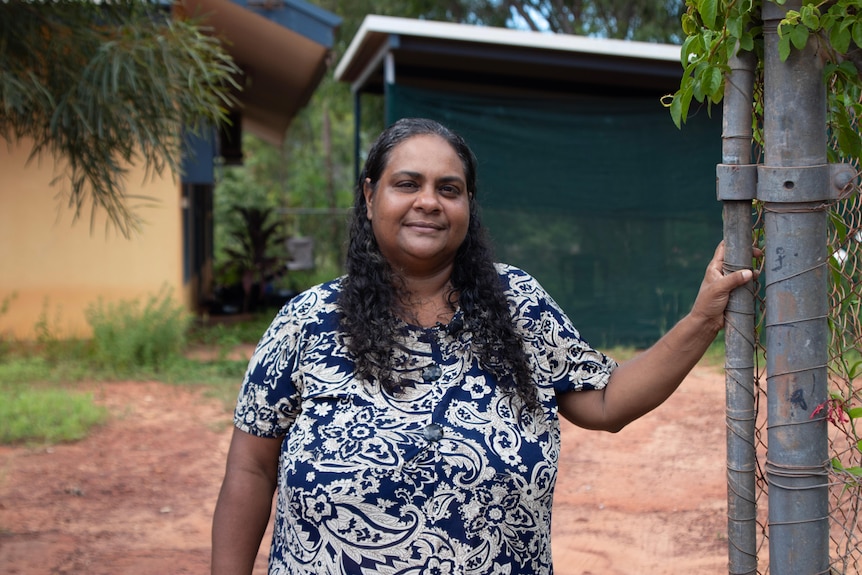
<point>443,478</point>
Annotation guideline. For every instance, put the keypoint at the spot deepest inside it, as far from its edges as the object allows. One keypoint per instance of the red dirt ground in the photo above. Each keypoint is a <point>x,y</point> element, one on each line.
<point>136,496</point>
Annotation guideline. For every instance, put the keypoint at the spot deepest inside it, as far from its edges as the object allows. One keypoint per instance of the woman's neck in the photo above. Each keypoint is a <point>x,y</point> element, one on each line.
<point>428,300</point>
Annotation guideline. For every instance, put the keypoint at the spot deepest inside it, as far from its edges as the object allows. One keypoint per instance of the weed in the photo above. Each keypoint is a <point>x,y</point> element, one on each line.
<point>128,338</point>
<point>4,309</point>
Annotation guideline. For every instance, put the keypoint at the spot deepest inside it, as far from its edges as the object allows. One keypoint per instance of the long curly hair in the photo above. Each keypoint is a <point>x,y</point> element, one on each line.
<point>372,290</point>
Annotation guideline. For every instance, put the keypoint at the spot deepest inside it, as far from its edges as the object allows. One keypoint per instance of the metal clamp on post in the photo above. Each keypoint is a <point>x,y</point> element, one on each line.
<point>843,178</point>
<point>736,181</point>
<point>823,182</point>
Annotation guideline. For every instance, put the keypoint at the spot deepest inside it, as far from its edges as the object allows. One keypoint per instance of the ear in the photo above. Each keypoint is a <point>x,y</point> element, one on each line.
<point>368,192</point>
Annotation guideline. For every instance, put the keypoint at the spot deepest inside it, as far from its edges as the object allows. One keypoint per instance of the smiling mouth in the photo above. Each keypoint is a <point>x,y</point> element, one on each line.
<point>423,226</point>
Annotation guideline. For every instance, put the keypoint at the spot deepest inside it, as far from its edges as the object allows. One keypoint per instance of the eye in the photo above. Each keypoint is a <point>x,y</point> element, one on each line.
<point>407,185</point>
<point>450,191</point>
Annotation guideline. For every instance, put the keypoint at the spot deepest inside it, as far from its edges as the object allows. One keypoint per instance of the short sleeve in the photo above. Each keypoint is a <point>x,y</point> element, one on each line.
<point>561,358</point>
<point>269,399</point>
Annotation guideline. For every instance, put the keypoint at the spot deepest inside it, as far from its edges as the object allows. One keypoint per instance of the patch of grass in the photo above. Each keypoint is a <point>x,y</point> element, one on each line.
<point>23,369</point>
<point>46,414</point>
<point>38,403</point>
<point>212,372</point>
<point>28,368</point>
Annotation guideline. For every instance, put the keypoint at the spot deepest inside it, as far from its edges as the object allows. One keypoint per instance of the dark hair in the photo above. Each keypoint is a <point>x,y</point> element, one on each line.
<point>370,289</point>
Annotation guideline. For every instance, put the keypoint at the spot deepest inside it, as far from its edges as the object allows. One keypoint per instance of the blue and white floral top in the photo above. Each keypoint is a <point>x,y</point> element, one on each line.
<point>440,479</point>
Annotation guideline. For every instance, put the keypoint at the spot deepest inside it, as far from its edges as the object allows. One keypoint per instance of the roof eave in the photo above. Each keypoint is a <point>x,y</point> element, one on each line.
<point>283,50</point>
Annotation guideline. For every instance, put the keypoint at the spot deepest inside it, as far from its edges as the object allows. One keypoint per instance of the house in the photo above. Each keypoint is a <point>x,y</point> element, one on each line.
<point>584,180</point>
<point>51,271</point>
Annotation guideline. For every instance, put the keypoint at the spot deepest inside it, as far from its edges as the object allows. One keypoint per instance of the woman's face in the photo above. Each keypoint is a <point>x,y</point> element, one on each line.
<point>420,210</point>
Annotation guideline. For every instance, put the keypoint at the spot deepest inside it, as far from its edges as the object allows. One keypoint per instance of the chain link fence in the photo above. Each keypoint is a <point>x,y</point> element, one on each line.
<point>843,409</point>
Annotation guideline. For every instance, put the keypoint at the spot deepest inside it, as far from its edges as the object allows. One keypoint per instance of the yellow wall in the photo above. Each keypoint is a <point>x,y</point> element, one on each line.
<point>54,268</point>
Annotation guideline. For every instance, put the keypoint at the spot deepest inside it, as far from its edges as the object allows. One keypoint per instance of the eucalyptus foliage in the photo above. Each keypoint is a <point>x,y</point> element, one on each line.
<point>647,20</point>
<point>100,86</point>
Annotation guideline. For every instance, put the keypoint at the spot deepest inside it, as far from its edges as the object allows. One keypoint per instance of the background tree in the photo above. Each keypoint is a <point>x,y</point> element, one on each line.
<point>99,86</point>
<point>645,20</point>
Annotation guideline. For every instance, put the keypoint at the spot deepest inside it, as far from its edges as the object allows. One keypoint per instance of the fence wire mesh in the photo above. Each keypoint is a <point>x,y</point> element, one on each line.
<point>843,409</point>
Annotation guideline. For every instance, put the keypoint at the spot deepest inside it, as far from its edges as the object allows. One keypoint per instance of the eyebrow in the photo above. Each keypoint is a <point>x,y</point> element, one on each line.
<point>418,175</point>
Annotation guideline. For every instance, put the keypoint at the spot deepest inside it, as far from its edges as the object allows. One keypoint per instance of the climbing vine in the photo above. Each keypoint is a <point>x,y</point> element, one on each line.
<point>715,28</point>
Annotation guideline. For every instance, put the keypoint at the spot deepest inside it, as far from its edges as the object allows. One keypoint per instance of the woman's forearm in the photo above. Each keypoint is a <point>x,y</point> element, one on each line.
<point>240,520</point>
<point>643,383</point>
<point>244,504</point>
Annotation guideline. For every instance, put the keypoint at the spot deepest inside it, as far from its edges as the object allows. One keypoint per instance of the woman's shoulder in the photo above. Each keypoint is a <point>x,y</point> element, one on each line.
<point>515,278</point>
<point>523,290</point>
<point>324,291</point>
<point>312,302</point>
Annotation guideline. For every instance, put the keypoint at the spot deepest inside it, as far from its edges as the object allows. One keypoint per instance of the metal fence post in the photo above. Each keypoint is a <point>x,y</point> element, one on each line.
<point>737,182</point>
<point>794,186</point>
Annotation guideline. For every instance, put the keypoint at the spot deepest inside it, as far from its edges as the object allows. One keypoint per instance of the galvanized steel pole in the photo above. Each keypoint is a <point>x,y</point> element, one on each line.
<point>737,186</point>
<point>794,186</point>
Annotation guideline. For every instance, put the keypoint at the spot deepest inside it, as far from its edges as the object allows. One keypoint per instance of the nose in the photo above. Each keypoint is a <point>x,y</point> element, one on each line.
<point>426,199</point>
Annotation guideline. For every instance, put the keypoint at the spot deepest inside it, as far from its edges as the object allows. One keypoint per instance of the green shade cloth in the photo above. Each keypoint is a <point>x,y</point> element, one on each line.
<point>602,199</point>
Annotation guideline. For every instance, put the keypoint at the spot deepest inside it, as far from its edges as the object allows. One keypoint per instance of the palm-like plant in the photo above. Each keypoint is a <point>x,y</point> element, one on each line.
<point>259,253</point>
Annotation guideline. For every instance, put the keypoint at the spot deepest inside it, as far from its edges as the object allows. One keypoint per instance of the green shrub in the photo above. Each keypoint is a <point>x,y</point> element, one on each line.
<point>129,338</point>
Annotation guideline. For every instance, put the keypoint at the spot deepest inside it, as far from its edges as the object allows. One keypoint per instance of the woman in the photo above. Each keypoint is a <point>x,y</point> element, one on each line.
<point>407,412</point>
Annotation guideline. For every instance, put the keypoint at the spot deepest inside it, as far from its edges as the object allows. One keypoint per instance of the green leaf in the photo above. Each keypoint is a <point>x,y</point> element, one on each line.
<point>676,110</point>
<point>734,26</point>
<point>811,17</point>
<point>848,70</point>
<point>784,47</point>
<point>708,12</point>
<point>697,88</point>
<point>839,37</point>
<point>746,42</point>
<point>849,141</point>
<point>857,32</point>
<point>854,412</point>
<point>791,18</point>
<point>838,466</point>
<point>681,102</point>
<point>799,36</point>
<point>689,24</point>
<point>692,50</point>
<point>712,78</point>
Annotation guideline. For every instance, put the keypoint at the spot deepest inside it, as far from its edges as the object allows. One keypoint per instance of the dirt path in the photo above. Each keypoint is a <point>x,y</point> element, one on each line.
<point>136,497</point>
